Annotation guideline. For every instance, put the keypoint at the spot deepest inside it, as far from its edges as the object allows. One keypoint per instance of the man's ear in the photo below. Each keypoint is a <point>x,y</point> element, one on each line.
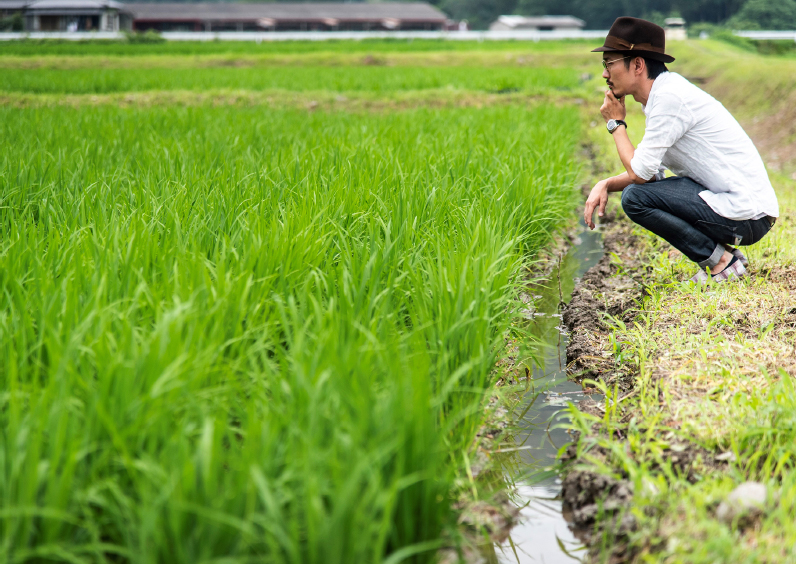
<point>640,66</point>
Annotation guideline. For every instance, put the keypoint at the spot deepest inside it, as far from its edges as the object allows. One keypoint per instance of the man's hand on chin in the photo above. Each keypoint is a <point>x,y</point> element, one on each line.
<point>613,107</point>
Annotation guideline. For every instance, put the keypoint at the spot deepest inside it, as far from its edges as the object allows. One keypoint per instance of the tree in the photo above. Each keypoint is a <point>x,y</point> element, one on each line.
<point>14,22</point>
<point>766,14</point>
<point>479,13</point>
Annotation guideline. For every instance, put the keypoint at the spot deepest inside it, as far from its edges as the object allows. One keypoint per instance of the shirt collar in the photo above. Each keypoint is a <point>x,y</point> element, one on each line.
<point>655,87</point>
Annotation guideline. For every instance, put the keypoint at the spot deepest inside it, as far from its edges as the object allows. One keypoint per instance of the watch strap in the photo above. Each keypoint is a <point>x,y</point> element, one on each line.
<point>618,123</point>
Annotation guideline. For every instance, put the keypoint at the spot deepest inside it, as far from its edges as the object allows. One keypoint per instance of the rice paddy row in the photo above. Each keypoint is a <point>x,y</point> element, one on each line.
<point>249,334</point>
<point>385,80</point>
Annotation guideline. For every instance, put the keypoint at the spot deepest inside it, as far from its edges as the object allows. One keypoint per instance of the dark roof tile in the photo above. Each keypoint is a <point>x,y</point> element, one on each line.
<point>286,11</point>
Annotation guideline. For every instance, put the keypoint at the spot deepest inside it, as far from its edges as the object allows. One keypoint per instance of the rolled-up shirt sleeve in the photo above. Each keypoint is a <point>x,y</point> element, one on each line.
<point>666,122</point>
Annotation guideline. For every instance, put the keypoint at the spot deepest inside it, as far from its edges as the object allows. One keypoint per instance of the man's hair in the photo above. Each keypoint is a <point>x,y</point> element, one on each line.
<point>654,67</point>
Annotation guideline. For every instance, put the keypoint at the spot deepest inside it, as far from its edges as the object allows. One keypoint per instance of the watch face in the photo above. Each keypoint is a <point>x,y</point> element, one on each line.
<point>611,124</point>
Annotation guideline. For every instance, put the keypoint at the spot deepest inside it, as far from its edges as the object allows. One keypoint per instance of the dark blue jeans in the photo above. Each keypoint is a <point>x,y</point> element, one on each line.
<point>672,209</point>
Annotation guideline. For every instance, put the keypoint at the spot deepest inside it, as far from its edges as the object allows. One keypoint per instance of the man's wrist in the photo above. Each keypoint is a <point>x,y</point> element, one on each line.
<point>613,125</point>
<point>616,183</point>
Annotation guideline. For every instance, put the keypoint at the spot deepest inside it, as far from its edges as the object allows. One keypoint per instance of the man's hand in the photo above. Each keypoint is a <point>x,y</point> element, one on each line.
<point>612,107</point>
<point>597,199</point>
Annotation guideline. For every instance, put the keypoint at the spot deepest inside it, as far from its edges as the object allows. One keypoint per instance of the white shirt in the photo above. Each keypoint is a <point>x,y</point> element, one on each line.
<point>692,134</point>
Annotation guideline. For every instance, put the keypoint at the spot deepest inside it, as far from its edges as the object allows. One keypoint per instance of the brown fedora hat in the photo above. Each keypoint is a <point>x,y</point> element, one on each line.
<point>635,36</point>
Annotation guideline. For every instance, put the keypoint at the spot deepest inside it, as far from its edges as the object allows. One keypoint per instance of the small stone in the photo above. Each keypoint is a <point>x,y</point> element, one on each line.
<point>728,456</point>
<point>747,499</point>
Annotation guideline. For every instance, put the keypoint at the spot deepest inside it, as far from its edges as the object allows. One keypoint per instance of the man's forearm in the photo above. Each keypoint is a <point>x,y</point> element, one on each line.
<point>626,151</point>
<point>618,183</point>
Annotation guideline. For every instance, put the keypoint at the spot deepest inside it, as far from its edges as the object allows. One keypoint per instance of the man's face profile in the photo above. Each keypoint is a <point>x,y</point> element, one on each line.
<point>615,73</point>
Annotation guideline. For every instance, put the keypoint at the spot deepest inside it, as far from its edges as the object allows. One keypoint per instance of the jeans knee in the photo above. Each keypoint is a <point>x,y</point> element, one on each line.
<point>631,201</point>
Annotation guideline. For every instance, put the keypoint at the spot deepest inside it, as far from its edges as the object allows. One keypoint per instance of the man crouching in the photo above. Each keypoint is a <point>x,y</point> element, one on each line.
<point>721,194</point>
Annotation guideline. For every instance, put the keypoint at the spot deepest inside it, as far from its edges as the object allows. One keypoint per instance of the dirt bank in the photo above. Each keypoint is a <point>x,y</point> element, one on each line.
<point>605,289</point>
<point>699,399</point>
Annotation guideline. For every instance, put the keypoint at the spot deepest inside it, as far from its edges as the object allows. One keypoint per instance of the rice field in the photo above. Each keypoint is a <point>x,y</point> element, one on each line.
<point>237,334</point>
<point>123,48</point>
<point>380,79</point>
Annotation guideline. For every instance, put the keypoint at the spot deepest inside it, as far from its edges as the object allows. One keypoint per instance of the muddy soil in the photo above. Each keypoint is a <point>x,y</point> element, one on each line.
<point>614,287</point>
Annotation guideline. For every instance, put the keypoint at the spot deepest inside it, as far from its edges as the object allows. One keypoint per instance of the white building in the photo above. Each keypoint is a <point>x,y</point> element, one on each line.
<point>675,29</point>
<point>76,15</point>
<point>286,16</point>
<point>537,23</point>
<point>111,15</point>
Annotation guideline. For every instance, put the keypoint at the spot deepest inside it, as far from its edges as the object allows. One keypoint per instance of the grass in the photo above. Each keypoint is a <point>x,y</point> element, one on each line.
<point>385,67</point>
<point>384,80</point>
<point>181,48</point>
<point>248,334</point>
<point>714,377</point>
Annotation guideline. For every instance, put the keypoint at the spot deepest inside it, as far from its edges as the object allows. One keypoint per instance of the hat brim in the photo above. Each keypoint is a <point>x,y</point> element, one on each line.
<point>662,57</point>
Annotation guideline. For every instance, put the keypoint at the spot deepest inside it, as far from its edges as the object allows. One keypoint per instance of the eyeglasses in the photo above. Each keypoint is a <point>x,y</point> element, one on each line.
<point>606,64</point>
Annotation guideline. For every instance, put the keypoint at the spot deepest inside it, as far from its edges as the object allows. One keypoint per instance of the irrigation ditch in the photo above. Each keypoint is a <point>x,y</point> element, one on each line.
<point>543,533</point>
<point>555,516</point>
<point>603,291</point>
<point>569,506</point>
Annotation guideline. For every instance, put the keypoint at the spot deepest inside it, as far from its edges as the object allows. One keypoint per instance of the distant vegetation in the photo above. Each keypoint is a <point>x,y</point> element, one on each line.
<point>749,14</point>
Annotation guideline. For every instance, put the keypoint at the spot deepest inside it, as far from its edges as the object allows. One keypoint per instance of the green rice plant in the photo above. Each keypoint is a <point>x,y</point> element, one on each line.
<point>295,78</point>
<point>239,335</point>
<point>123,47</point>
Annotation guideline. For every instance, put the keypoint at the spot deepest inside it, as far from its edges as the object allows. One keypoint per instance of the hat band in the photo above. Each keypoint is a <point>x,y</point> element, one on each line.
<point>620,44</point>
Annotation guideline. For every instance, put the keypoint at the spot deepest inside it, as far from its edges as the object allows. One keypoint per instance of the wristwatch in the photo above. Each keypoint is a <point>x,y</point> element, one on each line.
<point>613,124</point>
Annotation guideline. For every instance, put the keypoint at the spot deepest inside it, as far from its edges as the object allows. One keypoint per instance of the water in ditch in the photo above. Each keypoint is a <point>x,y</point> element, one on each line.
<point>543,535</point>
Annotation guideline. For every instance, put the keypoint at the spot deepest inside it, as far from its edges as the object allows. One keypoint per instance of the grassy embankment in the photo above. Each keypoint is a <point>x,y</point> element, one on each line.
<point>247,332</point>
<point>714,398</point>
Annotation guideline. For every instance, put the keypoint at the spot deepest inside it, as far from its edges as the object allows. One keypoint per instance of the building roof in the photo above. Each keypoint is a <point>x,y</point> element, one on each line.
<point>12,4</point>
<point>53,6</point>
<point>520,22</point>
<point>305,11</point>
